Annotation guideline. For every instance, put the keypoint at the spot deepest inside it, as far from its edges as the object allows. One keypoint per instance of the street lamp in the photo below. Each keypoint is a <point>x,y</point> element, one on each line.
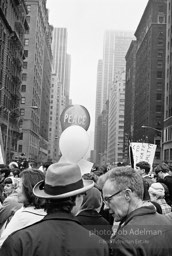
<point>8,122</point>
<point>149,127</point>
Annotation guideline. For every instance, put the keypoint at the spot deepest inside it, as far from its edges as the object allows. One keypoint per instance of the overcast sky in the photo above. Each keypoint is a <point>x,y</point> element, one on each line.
<point>86,22</point>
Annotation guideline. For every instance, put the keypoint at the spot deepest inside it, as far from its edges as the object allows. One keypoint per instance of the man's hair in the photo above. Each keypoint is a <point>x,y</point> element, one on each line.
<point>56,205</point>
<point>144,165</point>
<point>162,167</point>
<point>127,177</point>
<point>30,178</point>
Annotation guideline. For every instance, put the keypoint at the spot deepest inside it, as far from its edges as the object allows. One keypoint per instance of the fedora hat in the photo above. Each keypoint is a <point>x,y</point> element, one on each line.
<point>62,180</point>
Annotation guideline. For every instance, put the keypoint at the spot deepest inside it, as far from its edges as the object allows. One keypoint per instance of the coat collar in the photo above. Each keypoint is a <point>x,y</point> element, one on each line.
<point>61,215</point>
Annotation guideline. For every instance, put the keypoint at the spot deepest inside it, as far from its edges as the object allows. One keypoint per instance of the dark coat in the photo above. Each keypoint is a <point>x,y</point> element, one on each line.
<point>58,234</point>
<point>144,232</point>
<point>95,223</point>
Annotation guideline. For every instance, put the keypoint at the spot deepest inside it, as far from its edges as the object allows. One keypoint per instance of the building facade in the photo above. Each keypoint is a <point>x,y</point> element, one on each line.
<point>13,25</point>
<point>98,110</point>
<point>116,119</point>
<point>167,136</point>
<point>36,81</point>
<point>129,97</point>
<point>150,75</point>
<point>60,89</point>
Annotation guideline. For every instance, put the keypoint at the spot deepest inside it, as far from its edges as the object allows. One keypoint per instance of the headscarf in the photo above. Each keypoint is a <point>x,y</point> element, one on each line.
<point>92,200</point>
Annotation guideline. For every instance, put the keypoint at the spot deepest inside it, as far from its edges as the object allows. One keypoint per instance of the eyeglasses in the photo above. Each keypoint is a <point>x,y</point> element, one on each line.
<point>107,199</point>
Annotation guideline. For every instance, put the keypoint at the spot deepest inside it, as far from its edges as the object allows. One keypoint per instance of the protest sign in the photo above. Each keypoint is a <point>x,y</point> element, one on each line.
<point>142,152</point>
<point>75,115</point>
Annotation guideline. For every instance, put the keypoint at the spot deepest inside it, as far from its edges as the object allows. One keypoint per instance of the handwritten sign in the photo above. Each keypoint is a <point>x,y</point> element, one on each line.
<point>142,152</point>
<point>75,115</point>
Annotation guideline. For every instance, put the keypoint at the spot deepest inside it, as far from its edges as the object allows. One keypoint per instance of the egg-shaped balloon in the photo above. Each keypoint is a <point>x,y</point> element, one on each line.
<point>74,143</point>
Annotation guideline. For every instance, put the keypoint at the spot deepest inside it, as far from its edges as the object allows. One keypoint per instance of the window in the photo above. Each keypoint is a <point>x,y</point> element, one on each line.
<point>23,100</point>
<point>160,53</point>
<point>159,96</point>
<point>159,64</point>
<point>28,19</point>
<point>20,148</point>
<point>22,111</point>
<point>24,77</point>
<point>25,65</point>
<point>158,108</point>
<point>23,88</point>
<point>157,155</point>
<point>161,19</point>
<point>26,42</point>
<point>28,8</point>
<point>26,53</point>
<point>159,74</point>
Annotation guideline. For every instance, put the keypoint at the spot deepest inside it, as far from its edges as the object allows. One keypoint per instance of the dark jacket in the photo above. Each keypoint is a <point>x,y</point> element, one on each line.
<point>144,232</point>
<point>95,223</point>
<point>58,234</point>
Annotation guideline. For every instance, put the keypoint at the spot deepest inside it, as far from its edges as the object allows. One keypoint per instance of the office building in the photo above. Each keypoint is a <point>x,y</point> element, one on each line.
<point>13,25</point>
<point>150,75</point>
<point>36,81</point>
<point>167,134</point>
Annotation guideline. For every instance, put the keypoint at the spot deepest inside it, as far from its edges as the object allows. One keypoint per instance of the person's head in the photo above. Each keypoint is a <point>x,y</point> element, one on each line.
<point>143,168</point>
<point>4,172</point>
<point>123,191</point>
<point>63,188</point>
<point>161,170</point>
<point>92,200</point>
<point>16,172</point>
<point>156,191</point>
<point>46,165</point>
<point>170,170</point>
<point>10,185</point>
<point>28,179</point>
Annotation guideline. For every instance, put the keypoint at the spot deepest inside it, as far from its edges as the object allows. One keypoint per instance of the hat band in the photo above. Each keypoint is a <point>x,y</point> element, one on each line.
<point>58,190</point>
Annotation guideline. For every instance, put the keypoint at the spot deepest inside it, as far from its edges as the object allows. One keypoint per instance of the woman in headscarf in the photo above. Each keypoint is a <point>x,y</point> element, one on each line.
<point>90,217</point>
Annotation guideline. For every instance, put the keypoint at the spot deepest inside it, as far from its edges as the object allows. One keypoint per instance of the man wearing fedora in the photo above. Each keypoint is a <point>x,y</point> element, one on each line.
<point>59,233</point>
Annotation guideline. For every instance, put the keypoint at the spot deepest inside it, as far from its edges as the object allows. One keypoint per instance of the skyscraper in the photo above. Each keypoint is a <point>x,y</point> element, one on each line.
<point>36,79</point>
<point>60,87</point>
<point>13,25</point>
<point>167,136</point>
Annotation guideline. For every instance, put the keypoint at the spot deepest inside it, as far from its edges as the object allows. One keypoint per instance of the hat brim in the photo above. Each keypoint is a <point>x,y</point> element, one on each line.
<point>88,184</point>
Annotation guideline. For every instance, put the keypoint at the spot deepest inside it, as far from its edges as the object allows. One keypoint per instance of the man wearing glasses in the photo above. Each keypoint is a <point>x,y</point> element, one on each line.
<point>142,231</point>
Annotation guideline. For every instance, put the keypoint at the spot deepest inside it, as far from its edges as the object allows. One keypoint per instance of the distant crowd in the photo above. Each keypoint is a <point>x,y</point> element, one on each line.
<point>55,210</point>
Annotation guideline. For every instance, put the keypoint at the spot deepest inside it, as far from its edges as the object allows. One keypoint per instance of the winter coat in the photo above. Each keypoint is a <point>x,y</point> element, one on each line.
<point>58,234</point>
<point>94,222</point>
<point>144,232</point>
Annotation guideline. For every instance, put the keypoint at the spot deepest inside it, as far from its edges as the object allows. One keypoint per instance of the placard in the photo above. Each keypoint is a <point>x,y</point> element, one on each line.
<point>142,152</point>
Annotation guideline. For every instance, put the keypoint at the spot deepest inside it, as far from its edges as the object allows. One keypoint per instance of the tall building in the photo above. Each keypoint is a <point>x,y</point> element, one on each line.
<point>150,75</point>
<point>129,97</point>
<point>60,87</point>
<point>116,119</point>
<point>54,119</point>
<point>13,25</point>
<point>167,136</point>
<point>116,44</point>
<point>36,80</point>
<point>98,110</point>
<point>67,78</point>
<point>59,49</point>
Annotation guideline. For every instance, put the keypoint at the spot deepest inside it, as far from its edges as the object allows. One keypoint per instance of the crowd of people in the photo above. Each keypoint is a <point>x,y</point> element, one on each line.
<point>55,210</point>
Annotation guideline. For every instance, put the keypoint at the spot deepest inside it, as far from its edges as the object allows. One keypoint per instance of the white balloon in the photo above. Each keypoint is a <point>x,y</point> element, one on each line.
<point>74,143</point>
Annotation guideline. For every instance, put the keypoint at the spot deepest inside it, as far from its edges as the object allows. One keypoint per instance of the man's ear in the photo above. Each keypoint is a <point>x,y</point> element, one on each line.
<point>128,194</point>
